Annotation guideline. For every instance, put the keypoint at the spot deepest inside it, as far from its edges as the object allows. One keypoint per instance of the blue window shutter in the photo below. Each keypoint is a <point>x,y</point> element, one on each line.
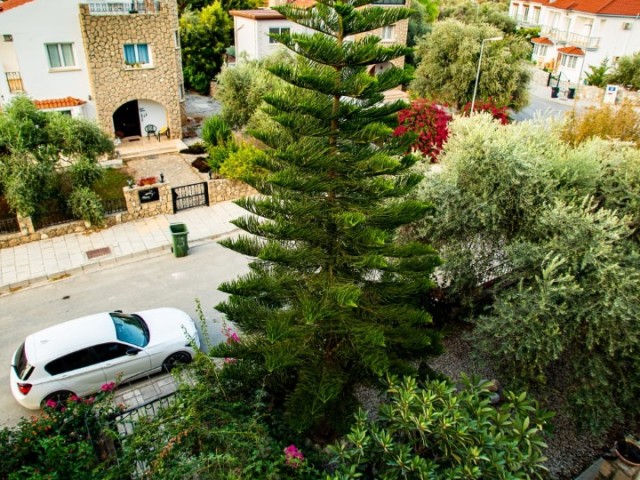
<point>143,53</point>
<point>129,54</point>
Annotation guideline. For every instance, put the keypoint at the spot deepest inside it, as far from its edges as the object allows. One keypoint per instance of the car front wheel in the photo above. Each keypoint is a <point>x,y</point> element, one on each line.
<point>175,359</point>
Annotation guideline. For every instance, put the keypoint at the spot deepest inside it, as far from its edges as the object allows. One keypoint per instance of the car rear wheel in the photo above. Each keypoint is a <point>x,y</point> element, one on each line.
<point>60,398</point>
<point>175,359</point>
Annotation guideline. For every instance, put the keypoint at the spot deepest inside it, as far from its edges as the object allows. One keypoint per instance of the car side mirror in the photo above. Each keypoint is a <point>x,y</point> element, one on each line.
<point>132,351</point>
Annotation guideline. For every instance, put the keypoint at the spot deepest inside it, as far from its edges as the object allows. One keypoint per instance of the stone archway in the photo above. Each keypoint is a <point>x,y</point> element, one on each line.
<point>139,117</point>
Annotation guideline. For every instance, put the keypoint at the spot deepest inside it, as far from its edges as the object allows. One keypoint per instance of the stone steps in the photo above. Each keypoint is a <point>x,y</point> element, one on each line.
<point>148,147</point>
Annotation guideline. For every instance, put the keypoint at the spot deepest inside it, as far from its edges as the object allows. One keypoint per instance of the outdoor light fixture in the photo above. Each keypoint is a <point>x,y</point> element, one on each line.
<point>130,183</point>
<point>161,177</point>
<point>210,174</point>
<point>475,87</point>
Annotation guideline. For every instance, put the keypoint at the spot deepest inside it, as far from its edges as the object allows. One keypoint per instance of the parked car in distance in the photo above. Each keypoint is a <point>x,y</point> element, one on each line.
<point>79,356</point>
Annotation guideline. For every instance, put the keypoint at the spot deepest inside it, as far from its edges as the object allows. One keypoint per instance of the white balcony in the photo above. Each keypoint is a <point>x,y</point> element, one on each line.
<point>570,38</point>
<point>104,7</point>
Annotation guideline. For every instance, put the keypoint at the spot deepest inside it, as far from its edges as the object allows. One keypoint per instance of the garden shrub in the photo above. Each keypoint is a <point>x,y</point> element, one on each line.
<point>439,432</point>
<point>241,164</point>
<point>86,204</point>
<point>626,71</point>
<point>216,131</point>
<point>546,233</point>
<point>218,154</point>
<point>85,172</point>
<point>62,443</point>
<point>497,112</point>
<point>608,122</point>
<point>429,122</point>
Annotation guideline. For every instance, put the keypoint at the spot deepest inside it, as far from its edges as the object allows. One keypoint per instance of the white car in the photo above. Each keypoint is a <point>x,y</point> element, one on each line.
<point>79,356</point>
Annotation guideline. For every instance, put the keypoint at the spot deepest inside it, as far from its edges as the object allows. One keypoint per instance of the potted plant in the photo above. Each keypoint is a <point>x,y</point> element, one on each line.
<point>628,450</point>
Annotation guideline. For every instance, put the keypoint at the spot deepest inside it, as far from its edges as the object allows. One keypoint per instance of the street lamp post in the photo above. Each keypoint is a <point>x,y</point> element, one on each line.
<point>475,86</point>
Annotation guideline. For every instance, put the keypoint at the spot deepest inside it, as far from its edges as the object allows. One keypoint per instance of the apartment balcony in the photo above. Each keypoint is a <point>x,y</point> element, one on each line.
<point>14,79</point>
<point>562,36</point>
<point>105,7</point>
<point>528,21</point>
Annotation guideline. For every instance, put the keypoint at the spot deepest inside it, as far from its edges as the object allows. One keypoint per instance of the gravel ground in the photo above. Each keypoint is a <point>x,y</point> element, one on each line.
<point>570,452</point>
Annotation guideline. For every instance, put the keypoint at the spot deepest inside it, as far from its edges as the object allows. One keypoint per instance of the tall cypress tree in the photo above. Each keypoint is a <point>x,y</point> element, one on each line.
<point>333,298</point>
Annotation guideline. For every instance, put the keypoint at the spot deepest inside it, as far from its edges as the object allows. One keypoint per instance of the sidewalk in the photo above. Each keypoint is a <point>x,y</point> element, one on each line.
<point>51,259</point>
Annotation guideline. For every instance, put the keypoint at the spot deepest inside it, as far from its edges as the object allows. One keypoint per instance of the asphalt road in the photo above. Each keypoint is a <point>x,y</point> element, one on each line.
<point>161,281</point>
<point>540,104</point>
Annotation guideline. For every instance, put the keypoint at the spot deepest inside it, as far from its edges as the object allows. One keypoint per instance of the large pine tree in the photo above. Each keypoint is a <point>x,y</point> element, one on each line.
<point>332,299</point>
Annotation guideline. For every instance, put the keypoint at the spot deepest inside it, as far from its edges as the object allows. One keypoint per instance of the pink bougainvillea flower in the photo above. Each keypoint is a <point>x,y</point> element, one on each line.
<point>51,403</point>
<point>90,400</point>
<point>108,387</point>
<point>293,456</point>
<point>232,337</point>
<point>74,398</point>
<point>230,360</point>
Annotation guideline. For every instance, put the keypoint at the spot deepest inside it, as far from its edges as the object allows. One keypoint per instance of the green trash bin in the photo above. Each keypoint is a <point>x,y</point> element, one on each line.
<point>179,233</point>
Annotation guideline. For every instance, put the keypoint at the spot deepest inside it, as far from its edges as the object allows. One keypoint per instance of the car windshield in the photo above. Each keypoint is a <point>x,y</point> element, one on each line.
<point>131,329</point>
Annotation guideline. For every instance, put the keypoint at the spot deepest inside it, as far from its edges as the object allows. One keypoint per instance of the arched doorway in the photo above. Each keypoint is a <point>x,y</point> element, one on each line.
<point>126,120</point>
<point>379,68</point>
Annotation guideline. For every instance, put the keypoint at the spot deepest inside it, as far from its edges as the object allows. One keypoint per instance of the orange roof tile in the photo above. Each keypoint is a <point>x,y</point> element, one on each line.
<point>627,8</point>
<point>9,4</point>
<point>58,103</point>
<point>572,51</point>
<point>542,41</point>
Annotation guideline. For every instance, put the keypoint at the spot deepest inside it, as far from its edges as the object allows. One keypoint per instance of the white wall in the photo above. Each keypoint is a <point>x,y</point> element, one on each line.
<point>35,24</point>
<point>245,37</point>
<point>252,36</point>
<point>151,113</point>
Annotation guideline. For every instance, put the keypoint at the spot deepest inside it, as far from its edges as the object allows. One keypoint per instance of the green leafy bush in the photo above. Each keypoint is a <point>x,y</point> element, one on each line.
<point>241,164</point>
<point>626,71</point>
<point>439,432</point>
<point>216,131</point>
<point>86,204</point>
<point>85,172</point>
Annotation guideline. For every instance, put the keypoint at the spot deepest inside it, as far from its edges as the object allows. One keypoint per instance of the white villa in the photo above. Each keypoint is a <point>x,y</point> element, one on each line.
<point>577,34</point>
<point>252,29</point>
<point>114,62</point>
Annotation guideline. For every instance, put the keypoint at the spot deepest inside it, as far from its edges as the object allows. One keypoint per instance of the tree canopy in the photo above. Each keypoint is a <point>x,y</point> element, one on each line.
<point>34,144</point>
<point>448,61</point>
<point>204,35</point>
<point>333,298</point>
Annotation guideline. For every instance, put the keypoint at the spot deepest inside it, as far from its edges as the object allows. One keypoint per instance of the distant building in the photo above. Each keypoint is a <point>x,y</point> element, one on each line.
<point>577,34</point>
<point>114,62</point>
<point>252,28</point>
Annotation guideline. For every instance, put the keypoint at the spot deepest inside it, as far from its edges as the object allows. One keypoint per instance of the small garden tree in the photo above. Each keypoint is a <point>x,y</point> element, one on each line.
<point>440,432</point>
<point>333,298</point>
<point>626,71</point>
<point>204,36</point>
<point>34,145</point>
<point>606,122</point>
<point>448,60</point>
<point>544,236</point>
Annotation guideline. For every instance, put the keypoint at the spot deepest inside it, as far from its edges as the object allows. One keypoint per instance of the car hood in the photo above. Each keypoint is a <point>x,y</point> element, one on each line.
<point>168,324</point>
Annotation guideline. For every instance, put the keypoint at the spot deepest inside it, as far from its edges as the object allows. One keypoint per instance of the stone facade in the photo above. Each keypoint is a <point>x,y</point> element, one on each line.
<point>137,209</point>
<point>222,189</point>
<point>113,83</point>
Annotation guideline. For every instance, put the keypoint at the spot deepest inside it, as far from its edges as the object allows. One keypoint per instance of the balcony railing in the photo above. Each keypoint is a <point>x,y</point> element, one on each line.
<point>570,38</point>
<point>104,7</point>
<point>528,21</point>
<point>14,79</point>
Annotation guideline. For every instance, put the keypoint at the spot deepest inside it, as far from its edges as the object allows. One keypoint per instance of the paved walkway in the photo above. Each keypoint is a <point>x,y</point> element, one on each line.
<point>55,258</point>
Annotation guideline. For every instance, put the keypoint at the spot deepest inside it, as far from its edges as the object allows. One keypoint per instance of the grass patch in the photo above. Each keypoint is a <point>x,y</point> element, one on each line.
<point>110,186</point>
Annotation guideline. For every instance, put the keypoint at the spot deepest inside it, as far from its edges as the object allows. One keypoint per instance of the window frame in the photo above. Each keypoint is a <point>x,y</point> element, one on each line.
<point>138,56</point>
<point>277,31</point>
<point>569,61</point>
<point>61,56</point>
<point>388,33</point>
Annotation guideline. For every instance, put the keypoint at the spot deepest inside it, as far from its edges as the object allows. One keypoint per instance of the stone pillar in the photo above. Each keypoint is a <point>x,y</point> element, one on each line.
<point>138,208</point>
<point>618,470</point>
<point>25,224</point>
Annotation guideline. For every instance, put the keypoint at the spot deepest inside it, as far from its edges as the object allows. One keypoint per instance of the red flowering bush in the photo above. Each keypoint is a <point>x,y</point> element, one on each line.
<point>499,113</point>
<point>430,121</point>
<point>147,181</point>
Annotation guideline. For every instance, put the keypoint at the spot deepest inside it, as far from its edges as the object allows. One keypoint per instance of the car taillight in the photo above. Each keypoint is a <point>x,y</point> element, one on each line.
<point>24,388</point>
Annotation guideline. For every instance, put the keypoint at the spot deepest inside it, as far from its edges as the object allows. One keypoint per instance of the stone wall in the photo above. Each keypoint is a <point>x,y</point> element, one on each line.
<point>220,190</point>
<point>113,83</point>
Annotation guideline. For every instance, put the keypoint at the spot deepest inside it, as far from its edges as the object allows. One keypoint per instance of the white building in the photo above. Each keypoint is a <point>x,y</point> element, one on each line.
<point>252,28</point>
<point>114,62</point>
<point>577,34</point>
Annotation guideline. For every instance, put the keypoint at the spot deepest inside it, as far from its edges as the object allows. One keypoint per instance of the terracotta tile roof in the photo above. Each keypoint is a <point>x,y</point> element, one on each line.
<point>58,103</point>
<point>542,41</point>
<point>572,51</point>
<point>627,8</point>
<point>9,4</point>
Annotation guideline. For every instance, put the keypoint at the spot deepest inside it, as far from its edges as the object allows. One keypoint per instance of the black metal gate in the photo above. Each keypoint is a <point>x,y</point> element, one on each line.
<point>190,196</point>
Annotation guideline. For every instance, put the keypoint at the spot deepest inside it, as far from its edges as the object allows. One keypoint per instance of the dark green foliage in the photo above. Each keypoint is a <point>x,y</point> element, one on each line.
<point>216,131</point>
<point>597,75</point>
<point>85,204</point>
<point>204,37</point>
<point>546,234</point>
<point>442,432</point>
<point>85,173</point>
<point>34,145</point>
<point>471,12</point>
<point>627,71</point>
<point>333,298</point>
